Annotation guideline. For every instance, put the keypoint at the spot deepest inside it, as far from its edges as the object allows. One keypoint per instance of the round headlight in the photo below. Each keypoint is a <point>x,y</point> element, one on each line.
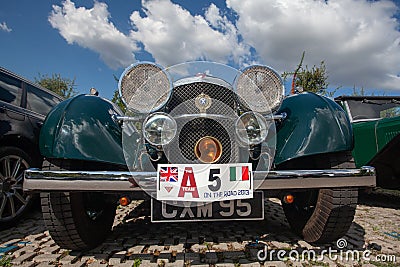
<point>145,87</point>
<point>159,129</point>
<point>251,128</point>
<point>260,89</point>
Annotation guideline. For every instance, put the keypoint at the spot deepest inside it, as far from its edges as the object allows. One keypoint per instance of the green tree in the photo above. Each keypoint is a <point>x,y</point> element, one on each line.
<point>310,80</point>
<point>117,99</point>
<point>64,87</point>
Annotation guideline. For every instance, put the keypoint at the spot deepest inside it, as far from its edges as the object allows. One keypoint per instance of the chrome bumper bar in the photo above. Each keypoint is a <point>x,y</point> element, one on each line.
<point>37,180</point>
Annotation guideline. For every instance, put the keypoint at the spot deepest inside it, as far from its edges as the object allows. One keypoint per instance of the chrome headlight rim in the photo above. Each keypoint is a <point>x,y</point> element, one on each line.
<point>143,64</point>
<point>245,140</point>
<point>160,115</point>
<point>243,74</point>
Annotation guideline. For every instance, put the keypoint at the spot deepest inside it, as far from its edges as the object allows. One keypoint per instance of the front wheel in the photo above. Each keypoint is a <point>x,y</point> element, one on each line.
<point>78,221</point>
<point>322,216</point>
<point>14,202</point>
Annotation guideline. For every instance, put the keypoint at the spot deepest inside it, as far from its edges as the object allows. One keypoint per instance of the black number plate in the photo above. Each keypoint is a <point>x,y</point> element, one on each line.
<point>240,209</point>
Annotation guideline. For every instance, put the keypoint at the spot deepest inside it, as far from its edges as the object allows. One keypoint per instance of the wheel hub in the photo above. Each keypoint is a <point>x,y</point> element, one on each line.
<point>5,186</point>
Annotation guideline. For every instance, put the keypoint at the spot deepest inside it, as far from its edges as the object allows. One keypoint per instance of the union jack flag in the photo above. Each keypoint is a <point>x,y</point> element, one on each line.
<point>169,174</point>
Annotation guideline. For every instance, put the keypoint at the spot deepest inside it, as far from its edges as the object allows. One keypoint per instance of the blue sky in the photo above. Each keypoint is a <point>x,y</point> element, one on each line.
<point>91,41</point>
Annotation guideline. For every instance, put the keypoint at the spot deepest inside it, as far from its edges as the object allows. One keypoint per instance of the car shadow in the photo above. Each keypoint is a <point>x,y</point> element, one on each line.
<point>380,198</point>
<point>137,233</point>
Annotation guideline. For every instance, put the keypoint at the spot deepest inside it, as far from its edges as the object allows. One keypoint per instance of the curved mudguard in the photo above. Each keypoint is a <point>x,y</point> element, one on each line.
<point>82,128</point>
<point>314,125</point>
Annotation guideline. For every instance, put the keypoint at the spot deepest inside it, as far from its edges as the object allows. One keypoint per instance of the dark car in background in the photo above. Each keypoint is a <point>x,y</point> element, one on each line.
<point>23,108</point>
<point>376,127</point>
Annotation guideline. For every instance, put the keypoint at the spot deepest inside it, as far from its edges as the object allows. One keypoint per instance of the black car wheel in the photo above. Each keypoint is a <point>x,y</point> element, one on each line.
<point>322,216</point>
<point>13,201</point>
<point>78,221</point>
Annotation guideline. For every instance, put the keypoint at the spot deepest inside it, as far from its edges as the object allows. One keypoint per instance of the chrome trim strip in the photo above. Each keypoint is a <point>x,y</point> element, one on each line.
<point>271,117</point>
<point>205,79</point>
<point>37,180</point>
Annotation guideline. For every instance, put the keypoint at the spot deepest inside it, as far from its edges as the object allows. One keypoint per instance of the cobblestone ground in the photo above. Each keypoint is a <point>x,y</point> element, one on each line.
<point>374,237</point>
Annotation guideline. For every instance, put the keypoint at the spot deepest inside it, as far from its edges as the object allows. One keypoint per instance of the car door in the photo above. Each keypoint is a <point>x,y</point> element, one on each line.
<point>12,116</point>
<point>38,104</point>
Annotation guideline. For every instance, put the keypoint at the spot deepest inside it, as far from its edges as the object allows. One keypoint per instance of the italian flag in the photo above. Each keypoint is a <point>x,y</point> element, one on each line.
<point>239,173</point>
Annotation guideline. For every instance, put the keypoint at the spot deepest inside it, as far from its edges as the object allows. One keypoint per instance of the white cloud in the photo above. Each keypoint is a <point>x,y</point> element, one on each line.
<point>91,28</point>
<point>359,40</point>
<point>172,35</point>
<point>4,27</point>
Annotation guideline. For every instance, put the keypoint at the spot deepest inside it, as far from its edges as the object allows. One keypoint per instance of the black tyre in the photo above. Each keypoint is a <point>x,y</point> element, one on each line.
<point>14,203</point>
<point>322,216</point>
<point>78,221</point>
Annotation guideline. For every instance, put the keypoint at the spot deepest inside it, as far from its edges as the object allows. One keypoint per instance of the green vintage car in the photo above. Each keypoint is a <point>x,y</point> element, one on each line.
<point>203,141</point>
<point>376,127</point>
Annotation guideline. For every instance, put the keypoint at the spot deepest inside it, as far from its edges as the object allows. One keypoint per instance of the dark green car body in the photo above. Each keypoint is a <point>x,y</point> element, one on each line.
<point>376,127</point>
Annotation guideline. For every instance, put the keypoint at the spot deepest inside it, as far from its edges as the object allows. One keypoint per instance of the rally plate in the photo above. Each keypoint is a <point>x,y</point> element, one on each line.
<point>240,209</point>
<point>204,182</point>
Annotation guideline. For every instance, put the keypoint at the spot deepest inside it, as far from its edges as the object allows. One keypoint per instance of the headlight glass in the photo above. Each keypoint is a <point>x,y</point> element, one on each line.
<point>260,89</point>
<point>251,128</point>
<point>145,87</point>
<point>159,129</point>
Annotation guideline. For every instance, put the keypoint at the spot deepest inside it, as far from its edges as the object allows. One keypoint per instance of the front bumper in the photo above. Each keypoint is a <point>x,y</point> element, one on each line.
<point>37,180</point>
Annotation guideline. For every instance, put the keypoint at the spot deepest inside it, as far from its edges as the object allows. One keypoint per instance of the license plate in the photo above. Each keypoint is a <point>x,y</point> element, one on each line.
<point>204,182</point>
<point>239,209</point>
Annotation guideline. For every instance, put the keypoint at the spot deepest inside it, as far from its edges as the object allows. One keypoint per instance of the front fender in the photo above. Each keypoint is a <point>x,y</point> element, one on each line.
<point>82,128</point>
<point>314,125</point>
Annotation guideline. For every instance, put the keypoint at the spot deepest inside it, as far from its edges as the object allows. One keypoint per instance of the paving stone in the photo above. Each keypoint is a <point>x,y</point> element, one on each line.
<point>155,249</point>
<point>135,250</point>
<point>238,246</point>
<point>199,248</point>
<point>178,248</point>
<point>45,264</point>
<point>27,264</point>
<point>234,255</point>
<point>226,264</point>
<point>147,263</point>
<point>252,264</point>
<point>298,264</point>
<point>10,242</point>
<point>141,256</point>
<point>50,250</point>
<point>76,264</point>
<point>25,257</point>
<point>305,244</point>
<point>46,257</point>
<point>117,258</point>
<point>211,257</point>
<point>221,247</point>
<point>97,264</point>
<point>192,256</point>
<point>178,263</point>
<point>68,259</point>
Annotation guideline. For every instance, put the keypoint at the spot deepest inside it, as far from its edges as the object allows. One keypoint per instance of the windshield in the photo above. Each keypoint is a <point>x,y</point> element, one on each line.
<point>373,109</point>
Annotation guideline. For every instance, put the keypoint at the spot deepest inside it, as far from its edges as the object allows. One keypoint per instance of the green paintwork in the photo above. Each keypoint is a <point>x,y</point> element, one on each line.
<point>82,128</point>
<point>372,136</point>
<point>314,125</point>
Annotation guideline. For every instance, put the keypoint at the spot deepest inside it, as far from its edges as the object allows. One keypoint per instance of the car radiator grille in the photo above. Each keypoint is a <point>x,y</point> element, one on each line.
<point>184,93</point>
<point>190,130</point>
